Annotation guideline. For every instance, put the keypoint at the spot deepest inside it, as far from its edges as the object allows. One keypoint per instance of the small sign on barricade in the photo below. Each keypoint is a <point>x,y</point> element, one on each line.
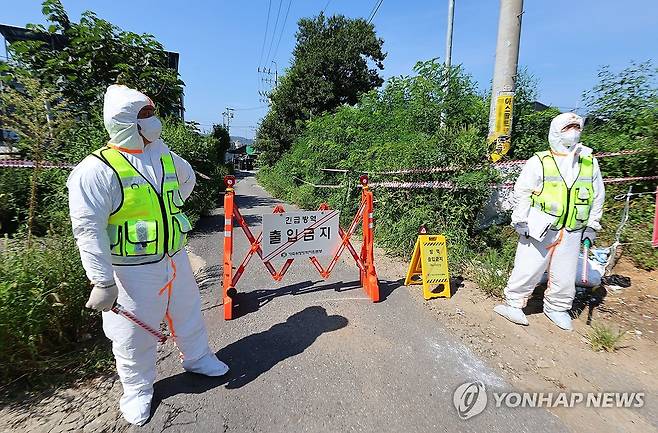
<point>290,235</point>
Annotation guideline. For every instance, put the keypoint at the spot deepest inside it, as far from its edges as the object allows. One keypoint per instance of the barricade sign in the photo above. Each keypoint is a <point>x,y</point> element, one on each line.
<point>300,234</point>
<point>429,266</point>
<point>290,235</point>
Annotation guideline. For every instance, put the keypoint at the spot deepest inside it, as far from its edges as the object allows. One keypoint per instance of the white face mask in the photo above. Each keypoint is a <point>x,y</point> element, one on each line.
<point>150,128</point>
<point>569,138</point>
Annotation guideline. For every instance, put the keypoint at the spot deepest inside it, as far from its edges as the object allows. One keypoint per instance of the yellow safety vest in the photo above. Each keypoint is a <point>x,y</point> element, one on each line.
<point>570,204</point>
<point>147,226</point>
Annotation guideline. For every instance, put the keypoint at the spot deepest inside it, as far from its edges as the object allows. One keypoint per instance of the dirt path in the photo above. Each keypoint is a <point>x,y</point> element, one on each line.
<point>541,358</point>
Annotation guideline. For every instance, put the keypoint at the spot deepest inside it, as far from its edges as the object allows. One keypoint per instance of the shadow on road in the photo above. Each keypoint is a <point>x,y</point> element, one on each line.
<point>208,225</point>
<point>250,201</point>
<point>250,302</point>
<point>255,354</point>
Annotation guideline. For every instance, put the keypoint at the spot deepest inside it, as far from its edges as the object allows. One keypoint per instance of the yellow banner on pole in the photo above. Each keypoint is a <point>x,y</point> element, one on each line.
<point>429,267</point>
<point>500,139</point>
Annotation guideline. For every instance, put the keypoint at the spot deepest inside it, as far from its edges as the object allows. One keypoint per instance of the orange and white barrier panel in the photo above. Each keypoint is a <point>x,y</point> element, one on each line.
<point>364,261</point>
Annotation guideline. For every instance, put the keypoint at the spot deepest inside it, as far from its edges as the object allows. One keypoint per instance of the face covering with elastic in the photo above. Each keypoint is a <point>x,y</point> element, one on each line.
<point>150,128</point>
<point>569,138</point>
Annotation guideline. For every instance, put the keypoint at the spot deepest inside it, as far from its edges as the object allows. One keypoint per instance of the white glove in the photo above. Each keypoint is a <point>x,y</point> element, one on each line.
<point>103,296</point>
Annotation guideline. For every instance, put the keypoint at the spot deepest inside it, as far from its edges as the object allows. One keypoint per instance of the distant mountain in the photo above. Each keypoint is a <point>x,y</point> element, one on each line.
<point>242,140</point>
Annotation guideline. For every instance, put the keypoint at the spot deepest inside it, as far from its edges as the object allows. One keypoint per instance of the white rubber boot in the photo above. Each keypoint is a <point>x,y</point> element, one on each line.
<point>208,365</point>
<point>135,405</point>
<point>512,314</point>
<point>561,318</point>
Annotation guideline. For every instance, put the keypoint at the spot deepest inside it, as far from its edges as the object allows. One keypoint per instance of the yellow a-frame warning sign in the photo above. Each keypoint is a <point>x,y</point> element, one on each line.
<point>429,267</point>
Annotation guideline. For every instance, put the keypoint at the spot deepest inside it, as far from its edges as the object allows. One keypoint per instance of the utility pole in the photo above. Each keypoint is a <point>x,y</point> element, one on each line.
<point>504,79</point>
<point>451,18</point>
<point>446,83</point>
<point>276,74</point>
<point>228,115</point>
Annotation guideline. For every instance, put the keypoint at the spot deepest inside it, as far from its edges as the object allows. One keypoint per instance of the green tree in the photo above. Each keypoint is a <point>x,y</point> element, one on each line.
<point>39,116</point>
<point>82,59</point>
<point>626,101</point>
<point>335,60</point>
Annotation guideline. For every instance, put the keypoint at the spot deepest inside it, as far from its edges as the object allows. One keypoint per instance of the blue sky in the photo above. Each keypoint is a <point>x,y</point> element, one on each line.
<point>563,42</point>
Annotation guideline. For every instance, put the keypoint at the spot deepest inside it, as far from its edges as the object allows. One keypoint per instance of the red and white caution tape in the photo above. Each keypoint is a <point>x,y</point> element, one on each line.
<point>511,163</point>
<point>18,163</point>
<point>451,185</point>
<point>629,179</point>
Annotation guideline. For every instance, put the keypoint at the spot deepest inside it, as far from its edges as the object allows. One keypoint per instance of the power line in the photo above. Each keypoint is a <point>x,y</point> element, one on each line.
<point>374,12</point>
<point>276,23</point>
<point>282,29</point>
<point>251,108</point>
<point>267,25</point>
<point>326,6</point>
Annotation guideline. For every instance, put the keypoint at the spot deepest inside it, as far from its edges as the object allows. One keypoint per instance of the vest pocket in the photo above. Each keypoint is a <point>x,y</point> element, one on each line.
<point>182,226</point>
<point>114,233</point>
<point>141,237</point>
<point>176,202</point>
<point>582,204</point>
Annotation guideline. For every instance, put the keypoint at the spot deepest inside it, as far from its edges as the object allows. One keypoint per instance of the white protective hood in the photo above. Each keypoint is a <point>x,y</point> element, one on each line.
<point>120,109</point>
<point>555,131</point>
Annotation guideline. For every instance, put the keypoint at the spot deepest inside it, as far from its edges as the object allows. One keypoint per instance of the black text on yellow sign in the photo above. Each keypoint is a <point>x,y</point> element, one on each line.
<point>500,138</point>
<point>429,267</point>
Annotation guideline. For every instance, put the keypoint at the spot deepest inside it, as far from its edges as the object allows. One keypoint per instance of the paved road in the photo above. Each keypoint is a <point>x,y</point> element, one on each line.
<point>315,356</point>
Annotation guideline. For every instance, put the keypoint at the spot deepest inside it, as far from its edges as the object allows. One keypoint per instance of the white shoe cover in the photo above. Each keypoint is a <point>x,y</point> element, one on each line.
<point>136,406</point>
<point>208,365</point>
<point>561,318</point>
<point>512,314</point>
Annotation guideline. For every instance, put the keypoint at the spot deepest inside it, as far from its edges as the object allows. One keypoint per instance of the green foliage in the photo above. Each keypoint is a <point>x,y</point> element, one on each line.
<point>330,67</point>
<point>38,115</point>
<point>624,109</point>
<point>82,59</point>
<point>206,154</point>
<point>532,132</point>
<point>397,127</point>
<point>603,338</point>
<point>627,101</point>
<point>43,290</point>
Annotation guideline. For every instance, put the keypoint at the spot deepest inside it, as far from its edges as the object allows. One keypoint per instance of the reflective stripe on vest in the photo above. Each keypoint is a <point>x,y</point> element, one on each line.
<point>147,225</point>
<point>571,205</point>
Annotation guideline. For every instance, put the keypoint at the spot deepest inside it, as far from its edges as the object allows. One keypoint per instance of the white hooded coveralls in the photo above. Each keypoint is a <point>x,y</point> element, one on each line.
<point>94,193</point>
<point>558,251</point>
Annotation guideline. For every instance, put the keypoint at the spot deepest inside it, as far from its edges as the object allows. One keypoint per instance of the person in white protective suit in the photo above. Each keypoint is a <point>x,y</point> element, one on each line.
<point>125,204</point>
<point>559,202</point>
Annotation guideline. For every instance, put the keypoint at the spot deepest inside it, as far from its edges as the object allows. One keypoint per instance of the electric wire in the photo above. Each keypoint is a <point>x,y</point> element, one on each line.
<point>285,20</point>
<point>374,12</point>
<point>276,24</point>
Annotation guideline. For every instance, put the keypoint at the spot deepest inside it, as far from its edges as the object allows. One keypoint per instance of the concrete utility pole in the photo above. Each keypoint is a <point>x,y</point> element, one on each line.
<point>451,17</point>
<point>504,80</point>
<point>228,115</point>
<point>448,60</point>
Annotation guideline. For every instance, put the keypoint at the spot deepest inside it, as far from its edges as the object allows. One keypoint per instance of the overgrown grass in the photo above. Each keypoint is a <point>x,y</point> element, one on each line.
<point>490,272</point>
<point>604,338</point>
<point>44,328</point>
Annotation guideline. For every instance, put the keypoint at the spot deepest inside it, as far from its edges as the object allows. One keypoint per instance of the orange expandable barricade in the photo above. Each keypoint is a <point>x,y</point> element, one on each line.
<point>364,261</point>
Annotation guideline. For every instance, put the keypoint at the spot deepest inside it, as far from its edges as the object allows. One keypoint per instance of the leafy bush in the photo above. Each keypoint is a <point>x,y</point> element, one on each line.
<point>397,127</point>
<point>43,290</point>
<point>206,154</point>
